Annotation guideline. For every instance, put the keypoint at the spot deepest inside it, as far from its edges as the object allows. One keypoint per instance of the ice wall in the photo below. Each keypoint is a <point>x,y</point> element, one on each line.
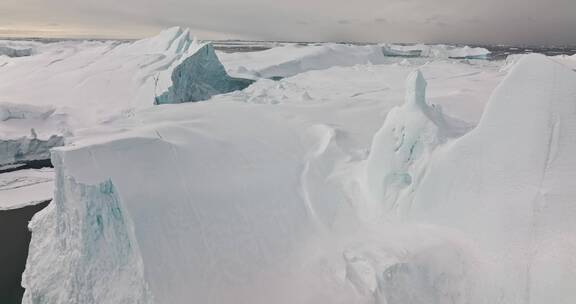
<point>199,77</point>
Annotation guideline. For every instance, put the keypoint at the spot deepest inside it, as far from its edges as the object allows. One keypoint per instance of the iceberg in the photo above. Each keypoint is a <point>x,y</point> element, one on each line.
<point>199,77</point>
<point>233,217</point>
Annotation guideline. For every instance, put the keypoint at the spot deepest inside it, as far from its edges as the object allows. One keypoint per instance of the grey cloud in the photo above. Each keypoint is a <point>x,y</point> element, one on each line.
<point>487,21</point>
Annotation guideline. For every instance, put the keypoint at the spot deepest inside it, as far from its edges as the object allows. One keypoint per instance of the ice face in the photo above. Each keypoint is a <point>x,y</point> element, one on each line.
<point>87,247</point>
<point>199,77</point>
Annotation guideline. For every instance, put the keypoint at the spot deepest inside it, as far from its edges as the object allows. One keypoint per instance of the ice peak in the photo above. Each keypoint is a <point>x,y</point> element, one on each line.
<point>416,89</point>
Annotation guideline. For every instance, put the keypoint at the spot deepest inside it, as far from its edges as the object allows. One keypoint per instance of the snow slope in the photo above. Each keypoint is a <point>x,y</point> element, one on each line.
<point>509,184</point>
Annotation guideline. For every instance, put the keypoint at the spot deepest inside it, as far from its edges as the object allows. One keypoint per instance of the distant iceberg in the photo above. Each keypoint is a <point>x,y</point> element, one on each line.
<point>435,51</point>
<point>15,52</point>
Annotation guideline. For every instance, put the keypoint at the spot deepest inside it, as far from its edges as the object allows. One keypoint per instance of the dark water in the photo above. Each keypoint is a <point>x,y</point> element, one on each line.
<point>501,52</point>
<point>14,242</point>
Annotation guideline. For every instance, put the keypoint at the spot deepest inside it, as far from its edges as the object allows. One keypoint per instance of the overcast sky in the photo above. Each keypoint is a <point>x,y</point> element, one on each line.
<point>467,21</point>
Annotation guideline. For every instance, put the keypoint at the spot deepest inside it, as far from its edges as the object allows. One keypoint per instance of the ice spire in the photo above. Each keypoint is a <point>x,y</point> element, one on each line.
<point>416,89</point>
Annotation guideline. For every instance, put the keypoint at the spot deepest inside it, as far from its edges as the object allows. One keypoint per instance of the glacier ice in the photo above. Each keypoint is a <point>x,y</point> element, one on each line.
<point>199,77</point>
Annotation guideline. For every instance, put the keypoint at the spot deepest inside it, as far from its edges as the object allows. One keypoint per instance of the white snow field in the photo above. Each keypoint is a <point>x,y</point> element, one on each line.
<point>360,177</point>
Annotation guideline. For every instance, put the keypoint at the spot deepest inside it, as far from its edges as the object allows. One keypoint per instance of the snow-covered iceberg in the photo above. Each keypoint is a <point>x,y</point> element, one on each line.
<point>199,77</point>
<point>232,218</point>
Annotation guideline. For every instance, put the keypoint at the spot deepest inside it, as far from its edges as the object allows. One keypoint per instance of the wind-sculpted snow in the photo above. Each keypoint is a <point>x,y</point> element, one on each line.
<point>200,77</point>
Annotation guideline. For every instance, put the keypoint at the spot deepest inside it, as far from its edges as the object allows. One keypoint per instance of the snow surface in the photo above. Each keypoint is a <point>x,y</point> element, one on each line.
<point>357,178</point>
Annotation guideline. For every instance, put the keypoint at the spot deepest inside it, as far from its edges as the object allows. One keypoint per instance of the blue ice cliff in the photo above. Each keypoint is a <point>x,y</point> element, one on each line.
<point>200,77</point>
